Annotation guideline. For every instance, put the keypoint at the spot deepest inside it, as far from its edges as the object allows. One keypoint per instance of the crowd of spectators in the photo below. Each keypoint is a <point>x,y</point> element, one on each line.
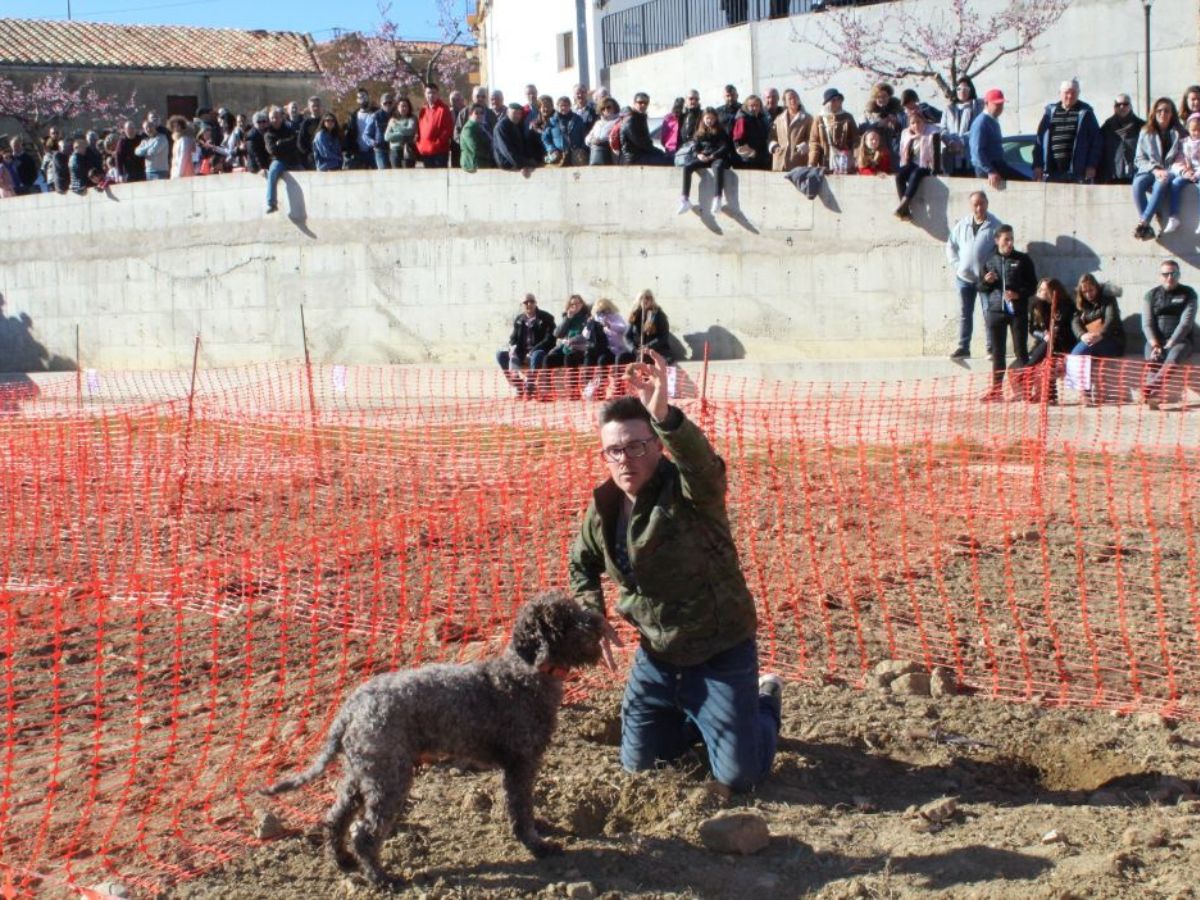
<point>900,136</point>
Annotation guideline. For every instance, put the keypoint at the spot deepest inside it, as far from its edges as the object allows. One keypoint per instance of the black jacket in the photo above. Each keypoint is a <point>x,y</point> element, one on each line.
<point>257,158</point>
<point>1108,310</point>
<point>309,126</point>
<point>635,137</point>
<point>689,121</point>
<point>1014,272</point>
<point>1118,144</point>
<point>658,338</point>
<point>753,132</point>
<point>536,335</point>
<point>508,147</point>
<point>726,113</point>
<point>281,144</point>
<point>716,144</point>
<point>350,133</point>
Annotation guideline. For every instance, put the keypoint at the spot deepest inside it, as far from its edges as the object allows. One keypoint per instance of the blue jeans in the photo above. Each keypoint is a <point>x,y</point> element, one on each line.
<point>665,706</point>
<point>382,158</point>
<point>157,176</point>
<point>1146,184</point>
<point>436,161</point>
<point>967,294</point>
<point>1106,346</point>
<point>512,365</point>
<point>274,173</point>
<point>1157,371</point>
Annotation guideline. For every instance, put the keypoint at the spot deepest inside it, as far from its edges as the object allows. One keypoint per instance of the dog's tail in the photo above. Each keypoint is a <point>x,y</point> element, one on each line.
<point>331,748</point>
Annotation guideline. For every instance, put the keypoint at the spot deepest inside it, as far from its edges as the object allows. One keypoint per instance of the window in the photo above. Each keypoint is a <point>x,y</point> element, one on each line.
<point>566,50</point>
<point>185,106</point>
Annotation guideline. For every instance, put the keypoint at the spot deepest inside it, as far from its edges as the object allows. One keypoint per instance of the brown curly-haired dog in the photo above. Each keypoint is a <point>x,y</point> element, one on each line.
<point>498,713</point>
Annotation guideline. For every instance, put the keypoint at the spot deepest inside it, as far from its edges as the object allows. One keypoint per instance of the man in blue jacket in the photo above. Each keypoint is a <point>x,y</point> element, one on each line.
<point>1068,139</point>
<point>987,143</point>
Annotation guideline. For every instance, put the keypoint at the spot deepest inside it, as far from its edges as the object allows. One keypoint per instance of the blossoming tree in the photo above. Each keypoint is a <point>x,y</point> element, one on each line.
<point>384,57</point>
<point>940,45</point>
<point>52,100</point>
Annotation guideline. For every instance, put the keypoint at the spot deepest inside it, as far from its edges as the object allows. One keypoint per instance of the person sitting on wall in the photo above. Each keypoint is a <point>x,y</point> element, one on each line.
<point>531,338</point>
<point>710,150</point>
<point>637,149</point>
<point>597,140</point>
<point>281,144</point>
<point>1068,139</point>
<point>1007,282</point>
<point>1155,185</point>
<point>649,329</point>
<point>728,111</point>
<point>1168,315</point>
<point>920,156</point>
<point>751,133</point>
<point>1118,142</point>
<point>563,137</point>
<point>834,136</point>
<point>508,142</point>
<point>987,143</point>
<point>1098,328</point>
<point>571,342</point>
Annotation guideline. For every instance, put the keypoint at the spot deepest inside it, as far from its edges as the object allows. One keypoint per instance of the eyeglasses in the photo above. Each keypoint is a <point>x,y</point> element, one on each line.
<point>1174,273</point>
<point>1121,103</point>
<point>632,450</point>
<point>529,303</point>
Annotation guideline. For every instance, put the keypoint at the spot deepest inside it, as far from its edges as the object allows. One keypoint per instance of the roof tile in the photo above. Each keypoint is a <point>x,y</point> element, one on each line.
<point>45,42</point>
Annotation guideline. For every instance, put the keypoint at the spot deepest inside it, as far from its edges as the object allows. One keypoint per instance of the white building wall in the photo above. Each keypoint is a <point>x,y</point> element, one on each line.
<point>522,48</point>
<point>1100,41</point>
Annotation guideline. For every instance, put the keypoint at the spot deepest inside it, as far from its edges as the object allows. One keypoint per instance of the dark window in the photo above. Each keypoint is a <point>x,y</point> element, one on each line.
<point>181,105</point>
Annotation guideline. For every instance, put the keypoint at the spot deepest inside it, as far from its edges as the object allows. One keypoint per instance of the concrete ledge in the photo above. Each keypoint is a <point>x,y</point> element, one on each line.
<point>427,266</point>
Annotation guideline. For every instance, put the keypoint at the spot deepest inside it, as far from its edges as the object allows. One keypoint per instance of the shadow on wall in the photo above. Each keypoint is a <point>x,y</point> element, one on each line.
<point>1072,258</point>
<point>722,344</point>
<point>21,352</point>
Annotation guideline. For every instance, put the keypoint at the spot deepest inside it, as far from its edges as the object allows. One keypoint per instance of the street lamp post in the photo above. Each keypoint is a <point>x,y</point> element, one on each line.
<point>1146,4</point>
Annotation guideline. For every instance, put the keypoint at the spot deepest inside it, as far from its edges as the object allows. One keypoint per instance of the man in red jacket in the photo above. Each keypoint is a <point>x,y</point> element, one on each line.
<point>435,127</point>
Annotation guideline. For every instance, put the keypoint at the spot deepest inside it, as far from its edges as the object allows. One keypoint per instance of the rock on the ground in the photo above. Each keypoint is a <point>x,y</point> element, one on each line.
<point>1053,836</point>
<point>267,825</point>
<point>111,889</point>
<point>914,684</point>
<point>942,682</point>
<point>744,832</point>
<point>1133,837</point>
<point>581,890</point>
<point>889,670</point>
<point>939,811</point>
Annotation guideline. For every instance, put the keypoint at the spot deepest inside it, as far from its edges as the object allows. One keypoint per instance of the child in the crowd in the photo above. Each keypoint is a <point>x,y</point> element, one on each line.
<point>1187,166</point>
<point>873,157</point>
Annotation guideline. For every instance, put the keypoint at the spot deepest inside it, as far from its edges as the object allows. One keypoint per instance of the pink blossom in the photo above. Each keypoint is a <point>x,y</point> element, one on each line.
<point>384,56</point>
<point>51,101</point>
<point>937,45</point>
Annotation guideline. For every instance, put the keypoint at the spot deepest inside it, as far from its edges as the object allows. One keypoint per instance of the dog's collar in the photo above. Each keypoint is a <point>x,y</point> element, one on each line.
<point>559,672</point>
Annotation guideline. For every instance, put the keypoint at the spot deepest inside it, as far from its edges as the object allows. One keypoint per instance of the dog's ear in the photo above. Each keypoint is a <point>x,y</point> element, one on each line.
<point>531,632</point>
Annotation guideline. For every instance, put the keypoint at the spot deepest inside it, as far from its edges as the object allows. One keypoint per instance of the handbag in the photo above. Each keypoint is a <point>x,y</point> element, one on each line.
<point>579,156</point>
<point>685,153</point>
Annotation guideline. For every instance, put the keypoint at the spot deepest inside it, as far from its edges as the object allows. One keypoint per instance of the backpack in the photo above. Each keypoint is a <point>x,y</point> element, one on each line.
<point>614,136</point>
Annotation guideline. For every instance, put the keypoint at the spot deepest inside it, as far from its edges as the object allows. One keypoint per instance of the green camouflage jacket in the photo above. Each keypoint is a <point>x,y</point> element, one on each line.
<point>689,600</point>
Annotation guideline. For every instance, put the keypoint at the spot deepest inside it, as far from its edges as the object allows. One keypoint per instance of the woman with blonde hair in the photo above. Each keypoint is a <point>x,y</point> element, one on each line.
<point>649,329</point>
<point>789,134</point>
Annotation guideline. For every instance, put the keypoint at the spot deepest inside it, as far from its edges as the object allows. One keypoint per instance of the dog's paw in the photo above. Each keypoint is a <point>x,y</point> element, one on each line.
<point>542,848</point>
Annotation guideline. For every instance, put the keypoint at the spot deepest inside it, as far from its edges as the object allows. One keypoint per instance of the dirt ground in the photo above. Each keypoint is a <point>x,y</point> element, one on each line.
<point>1047,803</point>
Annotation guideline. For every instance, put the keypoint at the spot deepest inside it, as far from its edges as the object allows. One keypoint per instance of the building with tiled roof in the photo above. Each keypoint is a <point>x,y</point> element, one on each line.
<point>173,68</point>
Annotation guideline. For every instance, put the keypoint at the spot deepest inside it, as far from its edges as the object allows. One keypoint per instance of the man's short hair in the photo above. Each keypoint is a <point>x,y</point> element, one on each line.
<point>1170,262</point>
<point>1004,229</point>
<point>1069,83</point>
<point>975,194</point>
<point>432,86</point>
<point>640,96</point>
<point>479,108</point>
<point>314,99</point>
<point>625,409</point>
<point>730,89</point>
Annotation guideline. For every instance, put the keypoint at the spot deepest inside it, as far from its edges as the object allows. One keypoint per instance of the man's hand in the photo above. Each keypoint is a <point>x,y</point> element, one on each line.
<point>649,382</point>
<point>1089,173</point>
<point>1011,296</point>
<point>989,278</point>
<point>1037,174</point>
<point>994,180</point>
<point>608,637</point>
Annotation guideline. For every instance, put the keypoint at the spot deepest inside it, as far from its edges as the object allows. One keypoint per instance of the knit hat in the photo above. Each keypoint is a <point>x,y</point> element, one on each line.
<point>832,94</point>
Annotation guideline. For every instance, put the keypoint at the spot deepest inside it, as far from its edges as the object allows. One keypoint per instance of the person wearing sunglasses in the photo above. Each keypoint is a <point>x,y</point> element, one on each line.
<point>659,528</point>
<point>1168,315</point>
<point>1118,142</point>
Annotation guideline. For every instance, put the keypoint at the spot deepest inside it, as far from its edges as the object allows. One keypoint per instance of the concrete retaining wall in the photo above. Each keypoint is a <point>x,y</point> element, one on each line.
<point>429,266</point>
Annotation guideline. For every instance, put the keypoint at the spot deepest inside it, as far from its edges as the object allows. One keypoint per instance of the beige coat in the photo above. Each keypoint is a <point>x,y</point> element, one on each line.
<point>842,131</point>
<point>791,140</point>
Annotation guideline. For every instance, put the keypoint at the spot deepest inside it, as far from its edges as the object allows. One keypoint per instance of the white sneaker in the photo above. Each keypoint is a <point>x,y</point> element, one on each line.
<point>716,206</point>
<point>1172,225</point>
<point>685,206</point>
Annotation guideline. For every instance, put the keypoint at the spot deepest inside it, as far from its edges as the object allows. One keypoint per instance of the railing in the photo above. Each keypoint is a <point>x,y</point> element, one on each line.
<point>662,24</point>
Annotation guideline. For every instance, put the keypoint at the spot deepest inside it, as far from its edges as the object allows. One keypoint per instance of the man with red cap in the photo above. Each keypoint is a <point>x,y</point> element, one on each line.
<point>987,143</point>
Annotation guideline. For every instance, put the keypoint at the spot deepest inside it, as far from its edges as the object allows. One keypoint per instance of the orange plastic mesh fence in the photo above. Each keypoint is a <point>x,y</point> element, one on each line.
<point>190,581</point>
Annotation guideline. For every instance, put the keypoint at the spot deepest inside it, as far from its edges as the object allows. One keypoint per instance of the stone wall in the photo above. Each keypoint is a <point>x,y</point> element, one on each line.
<point>429,266</point>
